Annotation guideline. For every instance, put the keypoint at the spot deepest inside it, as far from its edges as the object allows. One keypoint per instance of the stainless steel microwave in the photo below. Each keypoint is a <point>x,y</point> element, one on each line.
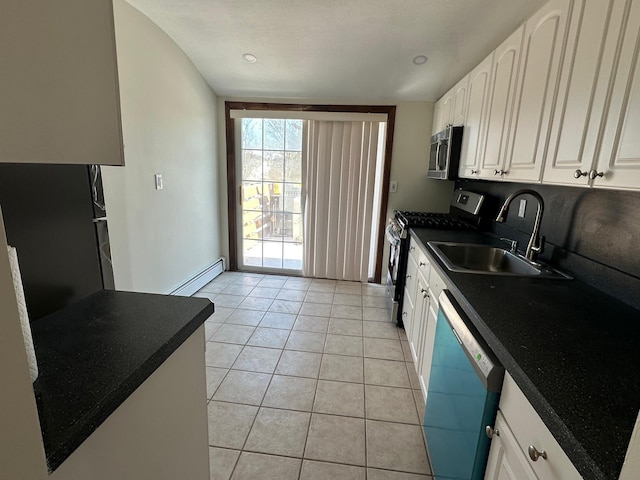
<point>444,153</point>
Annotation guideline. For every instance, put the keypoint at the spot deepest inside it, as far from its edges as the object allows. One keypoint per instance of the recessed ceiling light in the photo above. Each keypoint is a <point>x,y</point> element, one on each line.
<point>420,60</point>
<point>251,58</point>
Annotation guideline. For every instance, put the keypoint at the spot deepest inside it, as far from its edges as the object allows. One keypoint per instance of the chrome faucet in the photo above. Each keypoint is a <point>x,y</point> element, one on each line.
<point>536,244</point>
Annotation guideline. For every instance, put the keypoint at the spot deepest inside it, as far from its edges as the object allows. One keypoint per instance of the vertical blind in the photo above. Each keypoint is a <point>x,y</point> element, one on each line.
<point>340,183</point>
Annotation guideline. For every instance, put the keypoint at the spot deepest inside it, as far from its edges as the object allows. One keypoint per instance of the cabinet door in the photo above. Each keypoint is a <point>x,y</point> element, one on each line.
<point>619,158</point>
<point>460,97</point>
<point>504,75</point>
<point>437,117</point>
<point>59,84</point>
<point>475,124</point>
<point>506,462</point>
<point>419,319</point>
<point>426,353</point>
<point>447,109</point>
<point>412,267</point>
<point>581,95</point>
<point>408,310</point>
<point>542,50</point>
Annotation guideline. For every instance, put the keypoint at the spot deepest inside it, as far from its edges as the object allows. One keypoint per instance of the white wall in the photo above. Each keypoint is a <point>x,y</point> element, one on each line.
<point>408,163</point>
<point>161,238</point>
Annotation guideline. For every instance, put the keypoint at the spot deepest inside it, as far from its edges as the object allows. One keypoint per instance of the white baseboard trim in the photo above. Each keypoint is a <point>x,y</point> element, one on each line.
<point>199,280</point>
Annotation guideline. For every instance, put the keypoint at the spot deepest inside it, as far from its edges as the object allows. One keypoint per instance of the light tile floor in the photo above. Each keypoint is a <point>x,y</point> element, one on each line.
<point>309,379</point>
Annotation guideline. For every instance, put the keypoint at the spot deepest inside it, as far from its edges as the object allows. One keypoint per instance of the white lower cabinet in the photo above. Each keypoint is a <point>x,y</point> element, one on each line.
<point>523,447</point>
<point>419,319</point>
<point>422,313</point>
<point>505,460</point>
<point>408,310</point>
<point>429,336</point>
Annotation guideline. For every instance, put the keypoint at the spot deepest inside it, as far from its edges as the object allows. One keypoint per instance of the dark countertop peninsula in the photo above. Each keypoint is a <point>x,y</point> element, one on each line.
<point>93,354</point>
<point>572,349</point>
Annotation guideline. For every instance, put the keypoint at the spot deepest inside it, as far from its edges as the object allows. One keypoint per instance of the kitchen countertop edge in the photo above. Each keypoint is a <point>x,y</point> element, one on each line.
<point>81,428</point>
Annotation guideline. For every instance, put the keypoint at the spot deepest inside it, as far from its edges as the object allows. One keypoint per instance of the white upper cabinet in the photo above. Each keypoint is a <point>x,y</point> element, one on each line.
<point>475,123</point>
<point>442,112</point>
<point>577,119</point>
<point>542,49</point>
<point>504,75</point>
<point>447,109</point>
<point>618,162</point>
<point>59,94</point>
<point>460,97</point>
<point>437,117</point>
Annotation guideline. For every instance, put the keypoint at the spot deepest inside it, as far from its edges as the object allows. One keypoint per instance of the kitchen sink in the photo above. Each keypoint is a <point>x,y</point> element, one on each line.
<point>489,260</point>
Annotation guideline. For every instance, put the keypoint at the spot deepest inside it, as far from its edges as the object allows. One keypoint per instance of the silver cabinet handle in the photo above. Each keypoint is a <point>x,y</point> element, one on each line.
<point>473,172</point>
<point>411,249</point>
<point>425,294</point>
<point>404,313</point>
<point>491,432</point>
<point>534,453</point>
<point>579,173</point>
<point>422,264</point>
<point>408,277</point>
<point>593,174</point>
<point>497,172</point>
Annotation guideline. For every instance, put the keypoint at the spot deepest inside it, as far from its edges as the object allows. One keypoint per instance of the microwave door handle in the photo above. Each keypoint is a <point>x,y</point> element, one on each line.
<point>437,163</point>
<point>443,144</point>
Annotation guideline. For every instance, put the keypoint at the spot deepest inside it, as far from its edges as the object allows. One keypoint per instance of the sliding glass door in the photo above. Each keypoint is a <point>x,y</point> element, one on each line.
<point>270,196</point>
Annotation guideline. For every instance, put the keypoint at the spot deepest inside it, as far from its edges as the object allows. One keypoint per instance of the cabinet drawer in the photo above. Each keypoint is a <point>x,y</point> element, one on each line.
<point>529,430</point>
<point>424,264</point>
<point>414,249</point>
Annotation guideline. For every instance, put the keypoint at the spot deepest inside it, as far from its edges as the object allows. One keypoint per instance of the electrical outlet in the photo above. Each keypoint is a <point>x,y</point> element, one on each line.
<point>159,184</point>
<point>393,186</point>
<point>522,208</point>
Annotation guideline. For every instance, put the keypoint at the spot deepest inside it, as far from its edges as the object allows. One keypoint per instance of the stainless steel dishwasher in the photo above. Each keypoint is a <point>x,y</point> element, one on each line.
<point>462,399</point>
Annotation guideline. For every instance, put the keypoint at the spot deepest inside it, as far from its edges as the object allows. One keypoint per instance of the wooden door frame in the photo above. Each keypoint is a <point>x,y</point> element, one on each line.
<point>389,110</point>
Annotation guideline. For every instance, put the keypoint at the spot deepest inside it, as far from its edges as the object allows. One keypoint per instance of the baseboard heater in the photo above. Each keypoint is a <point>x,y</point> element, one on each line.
<point>199,280</point>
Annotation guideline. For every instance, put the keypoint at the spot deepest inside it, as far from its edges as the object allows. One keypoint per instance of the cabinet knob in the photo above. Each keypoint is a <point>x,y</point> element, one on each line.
<point>408,277</point>
<point>411,249</point>
<point>593,174</point>
<point>425,294</point>
<point>404,313</point>
<point>535,454</point>
<point>422,264</point>
<point>491,432</point>
<point>497,172</point>
<point>473,172</point>
<point>579,173</point>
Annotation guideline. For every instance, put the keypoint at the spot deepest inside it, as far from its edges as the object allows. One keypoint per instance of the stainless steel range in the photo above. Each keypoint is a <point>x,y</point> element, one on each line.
<point>464,214</point>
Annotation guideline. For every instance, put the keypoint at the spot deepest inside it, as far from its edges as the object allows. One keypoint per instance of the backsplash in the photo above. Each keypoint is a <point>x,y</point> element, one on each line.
<point>593,234</point>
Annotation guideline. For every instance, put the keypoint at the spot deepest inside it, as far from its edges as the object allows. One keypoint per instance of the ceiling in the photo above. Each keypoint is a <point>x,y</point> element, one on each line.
<point>336,49</point>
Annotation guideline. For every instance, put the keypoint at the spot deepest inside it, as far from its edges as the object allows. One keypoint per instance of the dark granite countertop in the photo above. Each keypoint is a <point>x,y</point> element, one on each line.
<point>96,352</point>
<point>572,350</point>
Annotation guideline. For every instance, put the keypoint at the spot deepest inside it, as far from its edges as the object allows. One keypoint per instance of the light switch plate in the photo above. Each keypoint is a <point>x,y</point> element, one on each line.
<point>393,186</point>
<point>523,207</point>
<point>159,184</point>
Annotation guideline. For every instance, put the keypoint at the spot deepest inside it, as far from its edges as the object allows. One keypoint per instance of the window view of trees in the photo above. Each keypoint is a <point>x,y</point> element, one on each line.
<point>271,192</point>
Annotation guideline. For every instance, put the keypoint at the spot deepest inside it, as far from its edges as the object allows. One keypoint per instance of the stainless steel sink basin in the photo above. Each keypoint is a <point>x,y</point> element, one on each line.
<point>487,259</point>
